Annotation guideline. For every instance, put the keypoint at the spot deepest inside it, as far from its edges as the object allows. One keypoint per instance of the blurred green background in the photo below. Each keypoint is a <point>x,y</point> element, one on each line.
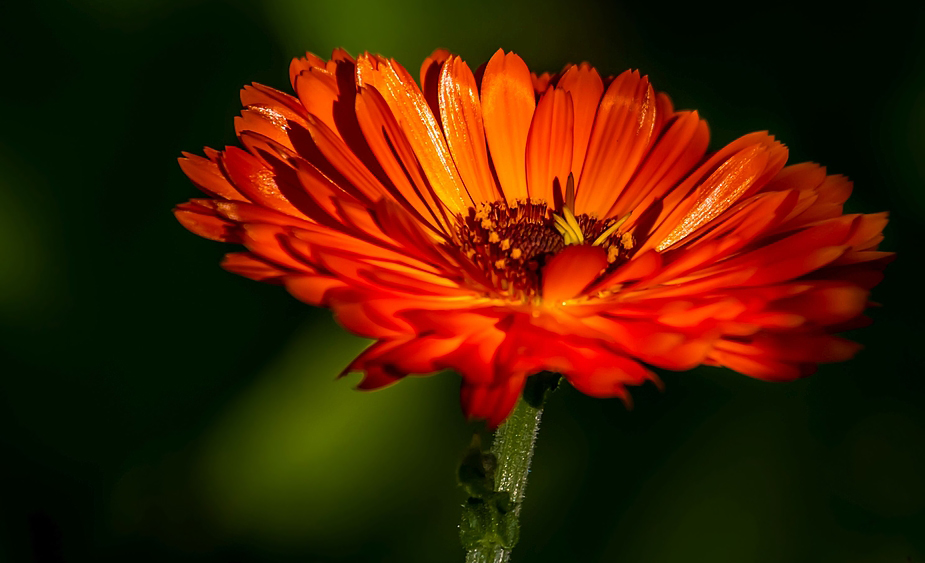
<point>155,408</point>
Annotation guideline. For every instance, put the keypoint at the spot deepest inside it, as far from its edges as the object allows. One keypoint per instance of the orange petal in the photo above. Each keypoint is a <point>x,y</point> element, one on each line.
<point>758,366</point>
<point>622,132</point>
<point>430,77</point>
<point>262,122</point>
<point>421,128</point>
<point>298,64</point>
<point>461,113</point>
<point>279,105</point>
<point>507,107</point>
<point>641,266</point>
<point>395,154</point>
<point>584,85</point>
<point>670,205</point>
<point>677,151</point>
<point>345,161</point>
<point>723,188</point>
<point>318,91</point>
<point>541,82</point>
<point>549,144</point>
<point>256,181</point>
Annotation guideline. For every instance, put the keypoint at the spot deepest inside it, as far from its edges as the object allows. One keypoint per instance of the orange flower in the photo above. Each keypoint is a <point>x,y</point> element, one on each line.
<point>503,223</point>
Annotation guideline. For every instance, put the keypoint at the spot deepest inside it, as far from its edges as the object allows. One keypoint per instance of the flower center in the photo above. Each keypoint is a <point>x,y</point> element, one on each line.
<point>512,243</point>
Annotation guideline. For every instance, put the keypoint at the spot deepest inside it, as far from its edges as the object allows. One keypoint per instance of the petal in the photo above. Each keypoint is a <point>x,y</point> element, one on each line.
<point>827,305</point>
<point>410,108</point>
<point>606,375</point>
<point>276,105</point>
<point>397,157</point>
<point>491,403</point>
<point>253,267</point>
<point>263,122</point>
<point>541,82</point>
<point>584,85</point>
<point>549,145</point>
<point>461,113</point>
<point>207,176</point>
<point>570,271</point>
<point>430,77</point>
<point>507,106</point>
<point>200,217</point>
<point>674,155</point>
<point>256,181</point>
<point>268,243</point>
<point>348,165</point>
<point>622,132</point>
<point>660,212</point>
<point>759,367</point>
<point>298,64</point>
<point>318,91</point>
<point>313,289</point>
<point>717,193</point>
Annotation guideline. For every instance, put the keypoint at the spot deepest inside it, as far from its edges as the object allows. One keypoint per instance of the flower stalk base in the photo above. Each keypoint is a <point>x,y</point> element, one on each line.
<point>496,480</point>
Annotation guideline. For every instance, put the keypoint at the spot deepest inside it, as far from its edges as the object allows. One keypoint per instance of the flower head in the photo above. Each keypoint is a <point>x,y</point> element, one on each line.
<point>501,223</point>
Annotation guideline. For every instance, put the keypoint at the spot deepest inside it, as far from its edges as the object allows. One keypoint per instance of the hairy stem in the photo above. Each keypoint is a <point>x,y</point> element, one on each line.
<point>489,527</point>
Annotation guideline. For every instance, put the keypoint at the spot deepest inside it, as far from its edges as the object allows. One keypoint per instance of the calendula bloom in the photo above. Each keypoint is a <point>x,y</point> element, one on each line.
<point>501,223</point>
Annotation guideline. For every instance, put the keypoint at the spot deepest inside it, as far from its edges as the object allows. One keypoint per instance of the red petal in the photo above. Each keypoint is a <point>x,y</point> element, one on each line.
<point>569,272</point>
<point>200,217</point>
<point>207,176</point>
<point>492,404</point>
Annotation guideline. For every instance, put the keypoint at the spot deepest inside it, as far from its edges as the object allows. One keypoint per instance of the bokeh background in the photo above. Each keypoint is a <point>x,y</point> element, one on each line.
<point>156,408</point>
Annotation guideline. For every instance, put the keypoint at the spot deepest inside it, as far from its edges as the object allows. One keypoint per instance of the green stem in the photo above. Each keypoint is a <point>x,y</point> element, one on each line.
<point>496,481</point>
<point>513,450</point>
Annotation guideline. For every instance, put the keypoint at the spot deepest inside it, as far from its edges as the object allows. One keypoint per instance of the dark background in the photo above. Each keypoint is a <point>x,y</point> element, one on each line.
<point>155,408</point>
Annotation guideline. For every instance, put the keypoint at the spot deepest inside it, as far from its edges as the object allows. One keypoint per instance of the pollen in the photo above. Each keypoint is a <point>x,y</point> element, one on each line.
<point>516,253</point>
<point>626,240</point>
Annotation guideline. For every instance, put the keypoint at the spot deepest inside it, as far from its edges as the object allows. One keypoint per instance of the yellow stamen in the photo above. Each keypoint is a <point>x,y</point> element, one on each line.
<point>568,227</point>
<point>610,230</point>
<point>561,225</point>
<point>573,223</point>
